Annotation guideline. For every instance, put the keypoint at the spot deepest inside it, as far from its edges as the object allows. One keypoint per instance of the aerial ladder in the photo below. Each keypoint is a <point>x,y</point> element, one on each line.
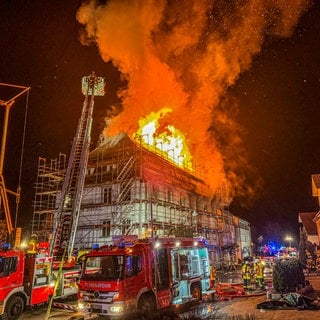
<point>68,209</point>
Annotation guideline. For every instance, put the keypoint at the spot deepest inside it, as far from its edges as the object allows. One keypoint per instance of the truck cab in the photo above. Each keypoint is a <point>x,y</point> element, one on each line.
<point>11,273</point>
<point>145,274</point>
<point>24,281</point>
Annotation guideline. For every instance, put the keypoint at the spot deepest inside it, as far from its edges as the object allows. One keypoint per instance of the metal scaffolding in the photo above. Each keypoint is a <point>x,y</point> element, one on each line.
<point>50,176</point>
<point>131,189</point>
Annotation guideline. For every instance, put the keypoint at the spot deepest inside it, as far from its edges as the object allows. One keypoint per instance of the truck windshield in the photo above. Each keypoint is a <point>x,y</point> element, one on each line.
<point>8,265</point>
<point>103,268</point>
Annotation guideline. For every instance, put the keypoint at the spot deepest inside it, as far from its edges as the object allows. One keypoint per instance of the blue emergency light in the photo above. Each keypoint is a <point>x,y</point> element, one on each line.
<point>95,246</point>
<point>6,246</point>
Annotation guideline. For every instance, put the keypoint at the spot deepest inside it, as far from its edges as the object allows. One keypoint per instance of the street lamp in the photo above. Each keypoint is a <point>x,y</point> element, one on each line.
<point>289,239</point>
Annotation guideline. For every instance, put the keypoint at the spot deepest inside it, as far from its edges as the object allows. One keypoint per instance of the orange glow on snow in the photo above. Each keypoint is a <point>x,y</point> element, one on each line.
<point>164,138</point>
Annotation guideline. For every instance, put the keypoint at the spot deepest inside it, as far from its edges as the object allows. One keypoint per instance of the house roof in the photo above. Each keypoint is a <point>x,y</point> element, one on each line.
<point>315,180</point>
<point>306,218</point>
<point>109,143</point>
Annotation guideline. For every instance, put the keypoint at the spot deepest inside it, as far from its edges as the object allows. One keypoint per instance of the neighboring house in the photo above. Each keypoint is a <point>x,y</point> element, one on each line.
<point>315,180</point>
<point>245,239</point>
<point>309,226</point>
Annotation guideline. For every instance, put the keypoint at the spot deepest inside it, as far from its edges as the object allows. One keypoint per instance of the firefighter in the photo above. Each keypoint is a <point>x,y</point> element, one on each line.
<point>246,271</point>
<point>259,273</point>
<point>213,275</point>
<point>33,244</point>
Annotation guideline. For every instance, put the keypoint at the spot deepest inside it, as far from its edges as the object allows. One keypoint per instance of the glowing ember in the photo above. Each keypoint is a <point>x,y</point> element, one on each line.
<point>164,138</point>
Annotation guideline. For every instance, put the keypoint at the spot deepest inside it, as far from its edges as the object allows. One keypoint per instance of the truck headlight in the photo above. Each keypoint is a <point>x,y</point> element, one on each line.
<point>81,306</point>
<point>117,308</point>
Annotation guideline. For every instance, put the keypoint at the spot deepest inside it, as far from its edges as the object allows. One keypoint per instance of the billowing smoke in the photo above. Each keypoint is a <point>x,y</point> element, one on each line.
<point>185,54</point>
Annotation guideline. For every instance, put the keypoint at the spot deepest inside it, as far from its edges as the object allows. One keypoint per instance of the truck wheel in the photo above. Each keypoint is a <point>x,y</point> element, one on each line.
<point>147,303</point>
<point>14,308</point>
<point>196,292</point>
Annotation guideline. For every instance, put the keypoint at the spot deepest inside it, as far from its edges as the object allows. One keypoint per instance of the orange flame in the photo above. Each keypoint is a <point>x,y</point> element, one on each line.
<point>164,138</point>
<point>185,54</point>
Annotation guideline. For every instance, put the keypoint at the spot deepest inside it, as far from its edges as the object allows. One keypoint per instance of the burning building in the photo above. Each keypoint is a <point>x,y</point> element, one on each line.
<point>132,188</point>
<point>178,59</point>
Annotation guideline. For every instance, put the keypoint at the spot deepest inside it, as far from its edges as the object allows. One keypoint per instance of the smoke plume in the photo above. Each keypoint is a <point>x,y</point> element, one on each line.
<point>185,54</point>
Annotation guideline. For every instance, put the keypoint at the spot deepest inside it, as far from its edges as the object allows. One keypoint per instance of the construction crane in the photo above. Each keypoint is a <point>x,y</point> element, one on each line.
<point>7,105</point>
<point>68,209</point>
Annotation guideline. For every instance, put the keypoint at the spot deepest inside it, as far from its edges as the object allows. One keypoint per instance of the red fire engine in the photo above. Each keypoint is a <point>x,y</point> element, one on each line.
<point>24,281</point>
<point>146,274</point>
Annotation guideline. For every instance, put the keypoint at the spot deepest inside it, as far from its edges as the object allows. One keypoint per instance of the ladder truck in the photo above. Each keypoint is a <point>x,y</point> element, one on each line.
<point>69,205</point>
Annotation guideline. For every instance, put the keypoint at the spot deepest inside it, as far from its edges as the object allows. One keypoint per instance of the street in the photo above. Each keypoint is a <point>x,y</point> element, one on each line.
<point>244,307</point>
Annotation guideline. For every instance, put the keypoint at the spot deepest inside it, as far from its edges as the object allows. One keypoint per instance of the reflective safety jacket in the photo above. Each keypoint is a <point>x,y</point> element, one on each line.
<point>258,269</point>
<point>246,271</point>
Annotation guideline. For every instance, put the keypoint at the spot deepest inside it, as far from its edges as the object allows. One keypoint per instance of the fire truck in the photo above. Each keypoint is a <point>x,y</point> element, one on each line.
<point>24,280</point>
<point>146,274</point>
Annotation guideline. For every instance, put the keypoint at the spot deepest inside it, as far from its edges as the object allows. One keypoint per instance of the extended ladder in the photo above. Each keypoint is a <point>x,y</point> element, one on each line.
<point>68,210</point>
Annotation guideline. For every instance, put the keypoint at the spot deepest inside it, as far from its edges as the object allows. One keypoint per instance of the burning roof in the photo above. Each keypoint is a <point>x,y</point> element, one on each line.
<point>116,150</point>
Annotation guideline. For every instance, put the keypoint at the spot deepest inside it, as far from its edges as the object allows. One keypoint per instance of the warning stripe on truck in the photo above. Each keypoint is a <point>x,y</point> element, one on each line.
<point>65,306</point>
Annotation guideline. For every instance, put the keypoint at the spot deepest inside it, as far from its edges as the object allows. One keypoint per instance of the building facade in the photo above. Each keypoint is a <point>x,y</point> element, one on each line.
<point>134,189</point>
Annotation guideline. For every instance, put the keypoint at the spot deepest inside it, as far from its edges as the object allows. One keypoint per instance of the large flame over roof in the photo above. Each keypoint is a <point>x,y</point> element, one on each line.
<point>184,55</point>
<point>163,137</point>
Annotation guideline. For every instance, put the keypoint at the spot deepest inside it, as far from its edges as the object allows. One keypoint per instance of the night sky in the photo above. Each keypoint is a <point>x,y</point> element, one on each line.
<point>277,97</point>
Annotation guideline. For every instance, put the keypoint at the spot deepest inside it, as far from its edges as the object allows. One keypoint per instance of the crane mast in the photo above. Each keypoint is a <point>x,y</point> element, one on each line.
<point>4,202</point>
<point>68,208</point>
